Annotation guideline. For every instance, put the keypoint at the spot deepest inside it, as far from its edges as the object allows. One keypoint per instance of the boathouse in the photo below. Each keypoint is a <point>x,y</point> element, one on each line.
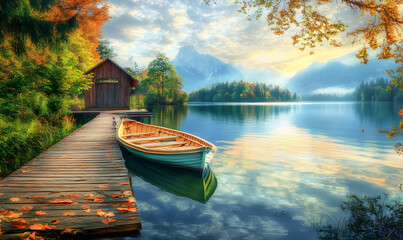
<point>110,88</point>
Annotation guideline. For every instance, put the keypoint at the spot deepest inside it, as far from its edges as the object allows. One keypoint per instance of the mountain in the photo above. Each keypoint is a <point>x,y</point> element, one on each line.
<point>336,77</point>
<point>201,70</point>
<point>268,76</point>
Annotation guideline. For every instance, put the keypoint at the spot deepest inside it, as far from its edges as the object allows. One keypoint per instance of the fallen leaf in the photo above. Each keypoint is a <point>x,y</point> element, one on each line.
<point>124,183</point>
<point>69,230</point>
<point>103,186</point>
<point>36,227</point>
<point>85,206</point>
<point>62,186</point>
<point>87,210</point>
<point>56,222</point>
<point>127,204</point>
<point>46,226</point>
<point>128,209</point>
<point>73,195</point>
<point>3,211</point>
<point>38,197</point>
<point>25,209</point>
<point>25,171</point>
<point>82,165</point>
<point>68,214</point>
<point>108,147</point>
<point>14,199</point>
<point>132,218</point>
<point>1,185</point>
<point>116,195</point>
<point>40,213</point>
<point>127,193</point>
<point>98,200</point>
<point>110,155</point>
<point>13,215</point>
<point>1,194</point>
<point>61,200</point>
<point>115,205</point>
<point>89,196</point>
<point>20,224</point>
<point>32,236</point>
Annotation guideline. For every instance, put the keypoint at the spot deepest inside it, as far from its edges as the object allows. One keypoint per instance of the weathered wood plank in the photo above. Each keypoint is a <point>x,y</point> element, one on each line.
<point>86,168</point>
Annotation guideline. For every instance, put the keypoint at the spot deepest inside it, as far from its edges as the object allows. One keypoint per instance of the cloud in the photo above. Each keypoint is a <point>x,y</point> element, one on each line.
<point>140,29</point>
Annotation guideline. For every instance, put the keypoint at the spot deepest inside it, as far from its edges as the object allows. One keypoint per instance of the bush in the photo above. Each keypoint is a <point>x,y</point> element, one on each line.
<point>367,218</point>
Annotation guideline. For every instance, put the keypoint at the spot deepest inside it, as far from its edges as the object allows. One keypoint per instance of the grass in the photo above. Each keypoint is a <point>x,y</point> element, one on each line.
<point>22,141</point>
<point>137,101</point>
<point>367,218</point>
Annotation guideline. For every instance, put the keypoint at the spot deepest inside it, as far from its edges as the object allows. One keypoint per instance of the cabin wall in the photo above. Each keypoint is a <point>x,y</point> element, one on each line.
<point>108,95</point>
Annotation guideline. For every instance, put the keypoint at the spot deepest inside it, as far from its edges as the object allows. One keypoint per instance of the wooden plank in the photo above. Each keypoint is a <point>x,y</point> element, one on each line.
<point>150,139</point>
<point>137,134</point>
<point>85,168</point>
<point>162,144</point>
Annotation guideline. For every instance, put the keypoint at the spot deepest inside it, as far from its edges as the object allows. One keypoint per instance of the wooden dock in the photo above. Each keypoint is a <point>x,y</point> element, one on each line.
<point>78,186</point>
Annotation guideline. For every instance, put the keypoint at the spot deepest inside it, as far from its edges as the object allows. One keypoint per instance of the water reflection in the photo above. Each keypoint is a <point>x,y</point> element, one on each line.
<point>182,182</point>
<point>169,116</point>
<point>279,167</point>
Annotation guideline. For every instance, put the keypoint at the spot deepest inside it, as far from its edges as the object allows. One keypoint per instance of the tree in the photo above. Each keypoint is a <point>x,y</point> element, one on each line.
<point>311,27</point>
<point>158,70</point>
<point>25,21</point>
<point>105,50</point>
<point>90,14</point>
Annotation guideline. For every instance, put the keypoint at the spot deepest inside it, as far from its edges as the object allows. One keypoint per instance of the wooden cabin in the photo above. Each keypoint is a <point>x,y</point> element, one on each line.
<point>110,87</point>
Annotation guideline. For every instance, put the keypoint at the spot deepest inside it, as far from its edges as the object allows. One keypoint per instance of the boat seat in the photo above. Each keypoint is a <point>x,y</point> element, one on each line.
<point>136,134</point>
<point>139,140</point>
<point>162,144</point>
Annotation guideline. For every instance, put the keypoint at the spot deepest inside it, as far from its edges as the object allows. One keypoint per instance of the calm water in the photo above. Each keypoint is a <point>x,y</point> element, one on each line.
<point>279,167</point>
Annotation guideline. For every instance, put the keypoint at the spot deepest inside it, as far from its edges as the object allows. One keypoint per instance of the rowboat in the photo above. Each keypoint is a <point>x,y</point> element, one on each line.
<point>164,145</point>
<point>179,181</point>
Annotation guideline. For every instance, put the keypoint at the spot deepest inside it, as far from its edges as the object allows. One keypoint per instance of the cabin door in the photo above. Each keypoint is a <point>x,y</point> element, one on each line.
<point>106,95</point>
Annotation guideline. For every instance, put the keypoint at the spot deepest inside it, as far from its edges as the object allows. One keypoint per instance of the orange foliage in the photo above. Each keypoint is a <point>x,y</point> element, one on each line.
<point>13,215</point>
<point>20,223</point>
<point>98,200</point>
<point>125,210</point>
<point>61,200</point>
<point>38,197</point>
<point>25,209</point>
<point>68,214</point>
<point>91,15</point>
<point>40,213</point>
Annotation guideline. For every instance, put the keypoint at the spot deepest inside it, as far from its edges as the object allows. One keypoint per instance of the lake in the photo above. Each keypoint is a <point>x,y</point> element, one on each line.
<point>279,167</point>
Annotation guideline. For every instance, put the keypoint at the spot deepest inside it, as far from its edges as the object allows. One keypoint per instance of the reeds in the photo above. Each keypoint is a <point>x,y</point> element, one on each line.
<point>22,141</point>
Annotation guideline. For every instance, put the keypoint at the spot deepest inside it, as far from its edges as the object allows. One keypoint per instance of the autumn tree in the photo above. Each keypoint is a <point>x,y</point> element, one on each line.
<point>311,27</point>
<point>23,22</point>
<point>90,15</point>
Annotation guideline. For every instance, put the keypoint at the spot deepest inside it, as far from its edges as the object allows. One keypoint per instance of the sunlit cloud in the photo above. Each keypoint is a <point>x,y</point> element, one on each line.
<point>140,29</point>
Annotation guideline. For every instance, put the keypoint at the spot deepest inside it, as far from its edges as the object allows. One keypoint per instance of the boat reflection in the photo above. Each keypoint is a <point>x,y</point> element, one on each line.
<point>182,182</point>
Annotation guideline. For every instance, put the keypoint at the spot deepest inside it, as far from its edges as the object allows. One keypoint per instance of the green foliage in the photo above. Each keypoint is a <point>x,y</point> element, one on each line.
<point>137,101</point>
<point>242,92</point>
<point>368,218</point>
<point>105,50</point>
<point>160,83</point>
<point>22,21</point>
<point>378,90</point>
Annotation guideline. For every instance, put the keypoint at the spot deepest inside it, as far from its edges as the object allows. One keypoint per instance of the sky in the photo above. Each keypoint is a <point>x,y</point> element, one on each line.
<point>139,29</point>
